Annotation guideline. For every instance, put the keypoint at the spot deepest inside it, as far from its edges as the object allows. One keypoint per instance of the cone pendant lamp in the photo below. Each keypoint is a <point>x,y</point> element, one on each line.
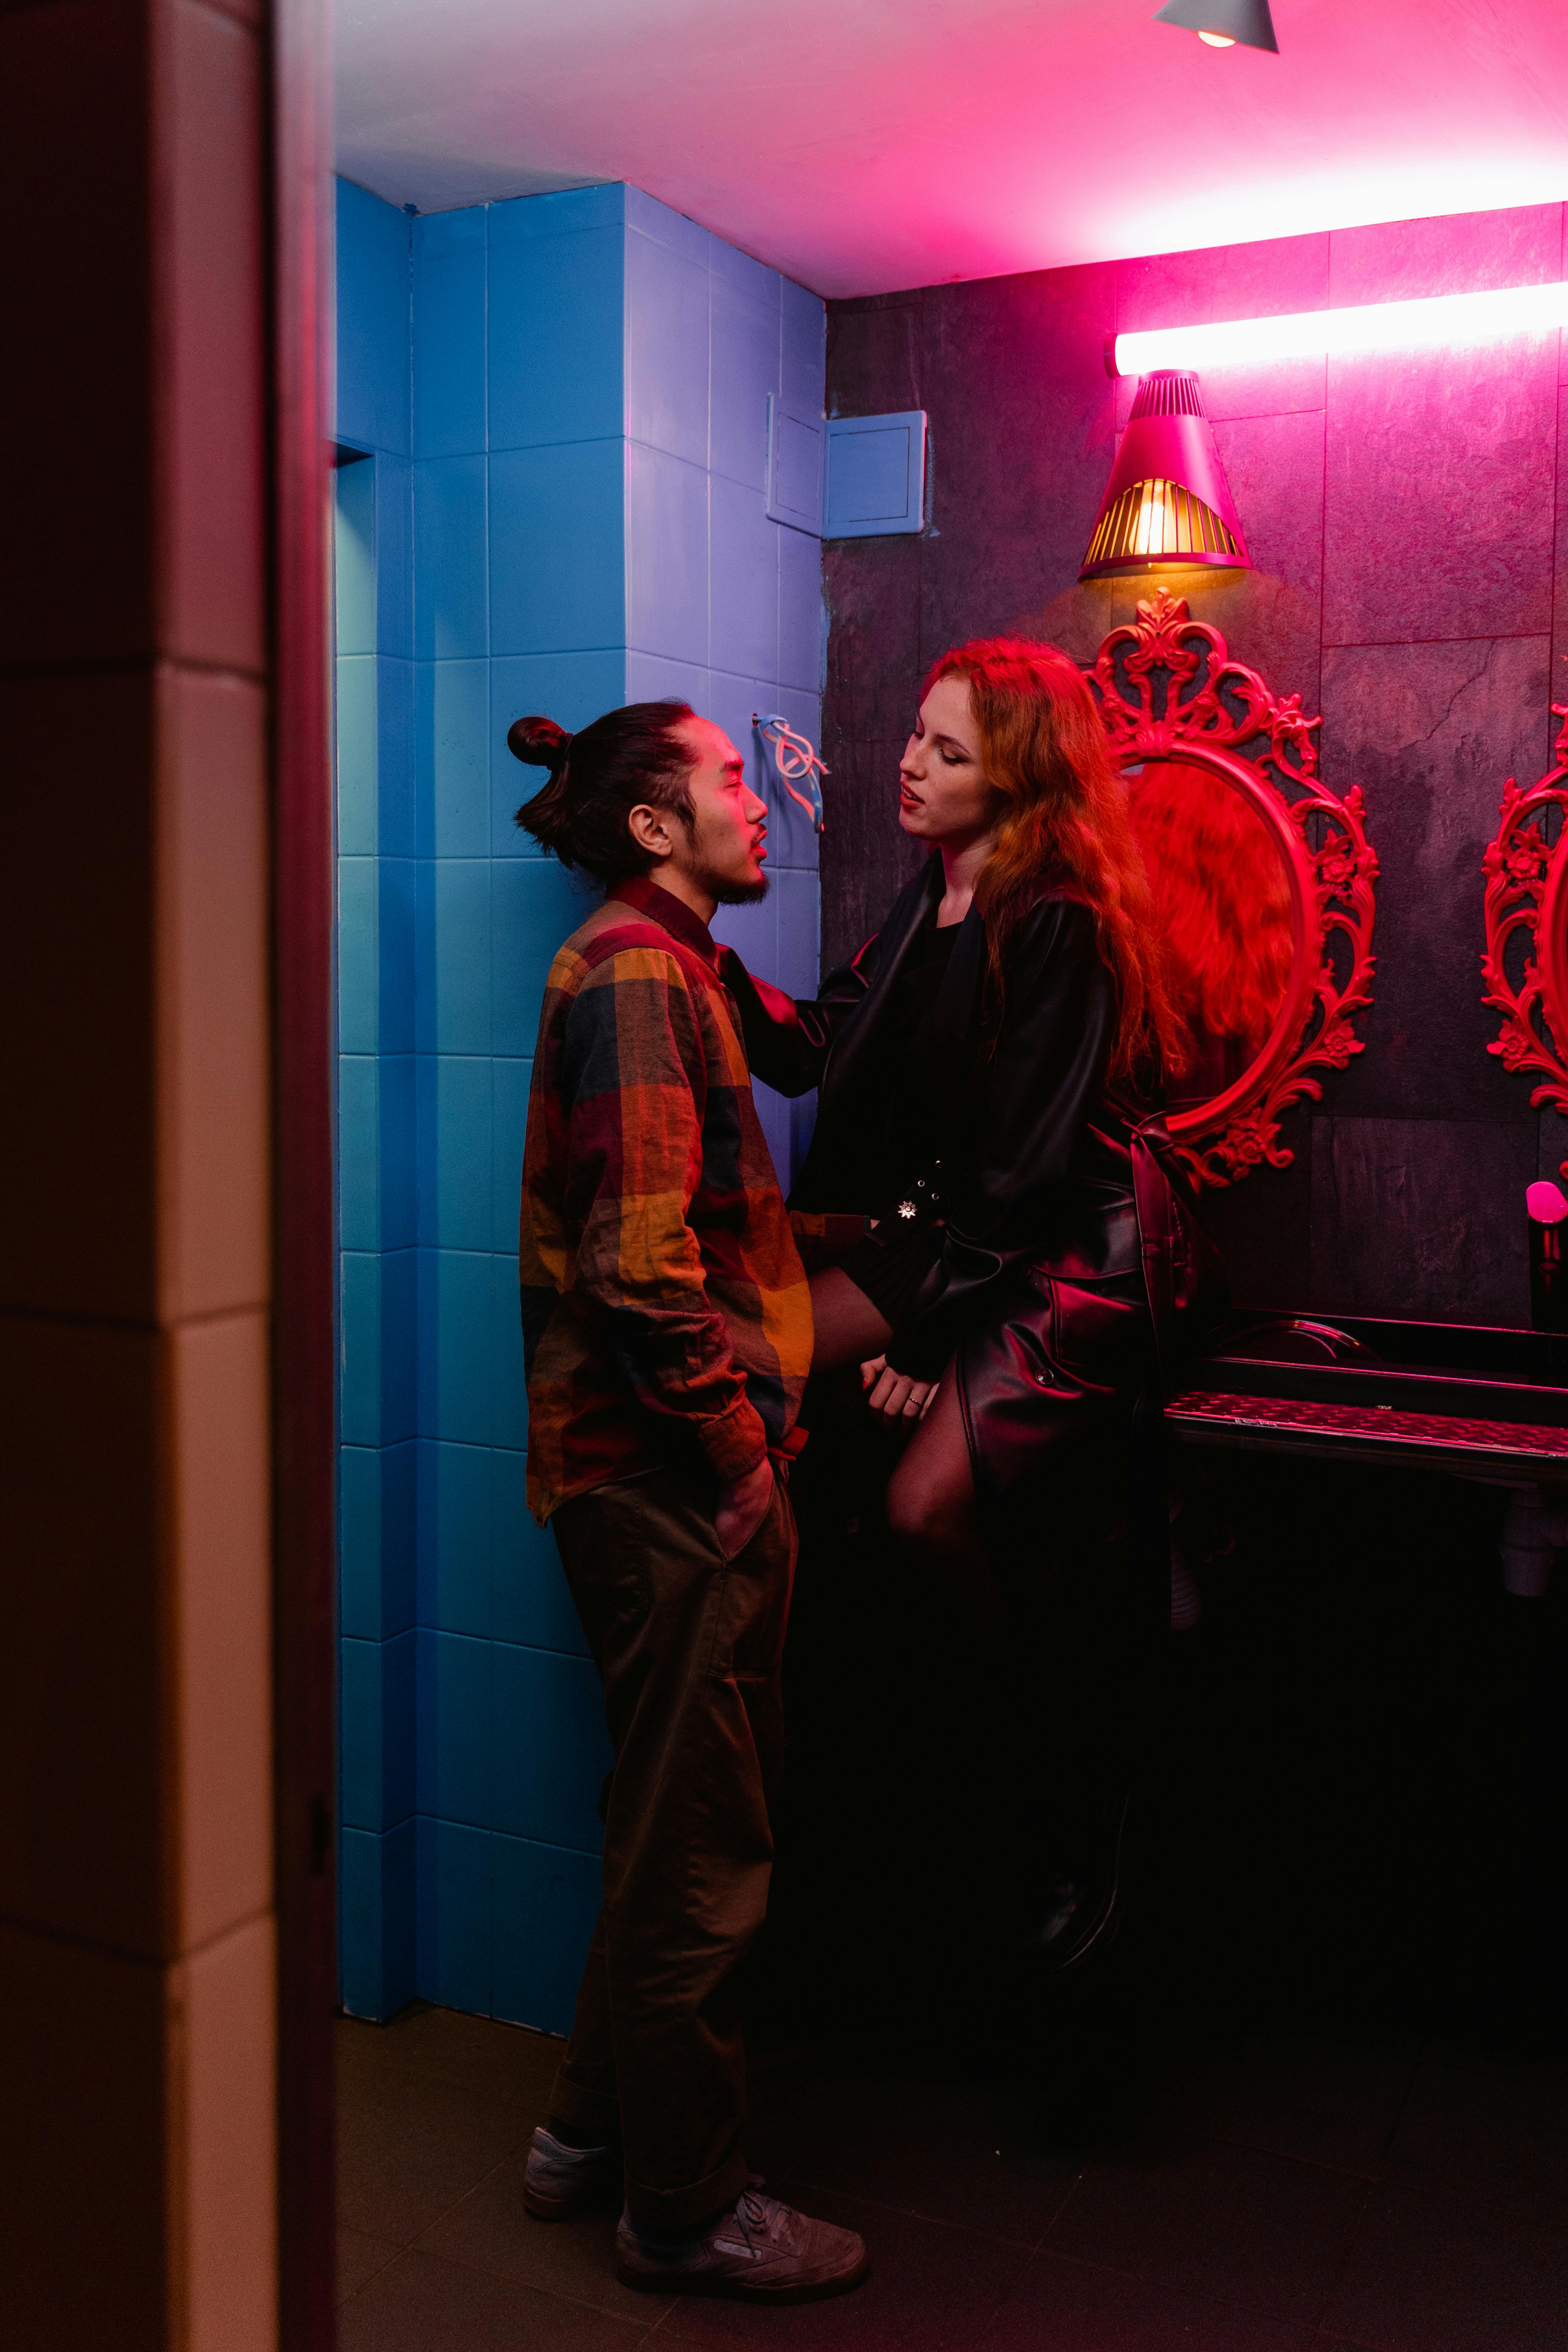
<point>1223,24</point>
<point>1167,505</point>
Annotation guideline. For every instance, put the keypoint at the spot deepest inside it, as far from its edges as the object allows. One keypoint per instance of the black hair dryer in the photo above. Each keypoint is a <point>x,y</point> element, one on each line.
<point>1548,1257</point>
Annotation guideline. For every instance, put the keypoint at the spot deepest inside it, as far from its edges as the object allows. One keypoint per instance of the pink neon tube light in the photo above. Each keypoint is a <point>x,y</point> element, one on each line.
<point>1372,327</point>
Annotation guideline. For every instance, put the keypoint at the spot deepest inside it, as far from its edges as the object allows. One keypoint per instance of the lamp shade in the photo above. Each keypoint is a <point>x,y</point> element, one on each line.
<point>1246,22</point>
<point>1167,504</point>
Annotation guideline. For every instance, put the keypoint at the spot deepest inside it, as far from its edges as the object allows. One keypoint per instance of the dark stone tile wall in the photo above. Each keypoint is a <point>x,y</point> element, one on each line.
<point>1407,517</point>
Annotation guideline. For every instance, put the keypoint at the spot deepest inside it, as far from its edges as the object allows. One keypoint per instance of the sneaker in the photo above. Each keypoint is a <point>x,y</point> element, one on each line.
<point>762,2251</point>
<point>561,2181</point>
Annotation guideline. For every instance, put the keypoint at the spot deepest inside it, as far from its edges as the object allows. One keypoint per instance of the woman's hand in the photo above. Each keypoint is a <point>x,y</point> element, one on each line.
<point>895,1395</point>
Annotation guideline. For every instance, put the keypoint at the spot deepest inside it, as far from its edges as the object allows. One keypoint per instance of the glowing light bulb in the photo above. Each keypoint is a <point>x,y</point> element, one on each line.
<point>1218,40</point>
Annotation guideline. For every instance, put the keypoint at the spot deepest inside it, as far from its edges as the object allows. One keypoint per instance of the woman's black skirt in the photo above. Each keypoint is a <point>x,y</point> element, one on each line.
<point>1052,1372</point>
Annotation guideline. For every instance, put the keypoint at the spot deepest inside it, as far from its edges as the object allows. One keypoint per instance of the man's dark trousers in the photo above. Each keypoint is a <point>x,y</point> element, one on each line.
<point>691,1648</point>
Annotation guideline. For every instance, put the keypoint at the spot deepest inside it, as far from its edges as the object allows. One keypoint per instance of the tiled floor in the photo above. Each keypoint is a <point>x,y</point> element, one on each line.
<point>1281,2196</point>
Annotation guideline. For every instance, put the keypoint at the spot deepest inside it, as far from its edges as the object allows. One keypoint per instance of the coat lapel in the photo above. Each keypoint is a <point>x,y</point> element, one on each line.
<point>856,1042</point>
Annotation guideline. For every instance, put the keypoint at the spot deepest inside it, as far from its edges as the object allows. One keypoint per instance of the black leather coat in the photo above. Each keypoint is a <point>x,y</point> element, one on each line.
<point>1034,1149</point>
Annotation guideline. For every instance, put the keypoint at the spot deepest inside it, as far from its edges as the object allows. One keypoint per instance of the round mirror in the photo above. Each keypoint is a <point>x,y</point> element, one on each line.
<point>1263,881</point>
<point>1223,906</point>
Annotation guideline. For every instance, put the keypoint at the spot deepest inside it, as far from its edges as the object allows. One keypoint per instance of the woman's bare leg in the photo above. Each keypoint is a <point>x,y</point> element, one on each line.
<point>848,1328</point>
<point>931,1494</point>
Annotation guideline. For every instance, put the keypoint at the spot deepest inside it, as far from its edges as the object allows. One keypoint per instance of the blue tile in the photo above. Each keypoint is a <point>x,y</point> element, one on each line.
<point>655,678</point>
<point>354,548</point>
<point>571,689</point>
<point>685,237</point>
<point>373,296</point>
<point>753,931</point>
<point>399,1335</point>
<point>509,1423</point>
<point>455,1151</point>
<point>393,553</point>
<point>455,1537</point>
<point>455,1736</point>
<point>530,1601</point>
<point>395,956</point>
<point>667,349</point>
<point>361,1734</point>
<point>557,540</point>
<point>803,623</point>
<point>744,368</point>
<point>399,1536</point>
<point>449,332</point>
<point>798,899</point>
<point>665,555</point>
<point>510,1081</point>
<point>535,905</point>
<point>359,962</point>
<point>454,1370</point>
<point>359,1542</point>
<point>376,1731</point>
<point>560,214</point>
<point>450,570</point>
<point>452,758</point>
<point>453,981</point>
<point>453,1915</point>
<point>358,1348</point>
<point>546,1901</point>
<point>358,784</point>
<point>375,1921</point>
<point>804,346</point>
<point>359,1153</point>
<point>394,757</point>
<point>801,845</point>
<point>730,703</point>
<point>398,1194</point>
<point>555,335</point>
<point>744,631</point>
<point>551,1750</point>
<point>738,273</point>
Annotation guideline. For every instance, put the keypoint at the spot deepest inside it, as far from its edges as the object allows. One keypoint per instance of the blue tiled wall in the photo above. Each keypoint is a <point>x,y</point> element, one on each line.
<point>563,401</point>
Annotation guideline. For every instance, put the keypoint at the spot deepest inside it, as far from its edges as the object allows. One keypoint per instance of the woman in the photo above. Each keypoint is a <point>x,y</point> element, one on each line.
<point>988,1068</point>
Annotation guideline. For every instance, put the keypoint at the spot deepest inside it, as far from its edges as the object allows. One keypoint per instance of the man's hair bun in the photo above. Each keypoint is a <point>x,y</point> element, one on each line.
<point>626,757</point>
<point>539,743</point>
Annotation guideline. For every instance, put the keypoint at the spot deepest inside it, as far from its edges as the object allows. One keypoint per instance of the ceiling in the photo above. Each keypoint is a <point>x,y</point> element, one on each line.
<point>860,145</point>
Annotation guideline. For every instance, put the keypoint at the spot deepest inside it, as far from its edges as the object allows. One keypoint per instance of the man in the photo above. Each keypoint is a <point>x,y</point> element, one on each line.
<point>668,1330</point>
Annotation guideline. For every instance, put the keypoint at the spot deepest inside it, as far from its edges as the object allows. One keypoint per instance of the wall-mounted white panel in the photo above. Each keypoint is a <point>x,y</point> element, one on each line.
<point>876,475</point>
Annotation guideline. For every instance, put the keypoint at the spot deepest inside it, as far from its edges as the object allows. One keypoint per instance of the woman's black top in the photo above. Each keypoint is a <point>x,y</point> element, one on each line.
<point>891,1263</point>
<point>1033,1142</point>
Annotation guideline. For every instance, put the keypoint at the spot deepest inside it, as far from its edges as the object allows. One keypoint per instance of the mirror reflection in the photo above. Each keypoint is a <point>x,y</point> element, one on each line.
<point>1222,893</point>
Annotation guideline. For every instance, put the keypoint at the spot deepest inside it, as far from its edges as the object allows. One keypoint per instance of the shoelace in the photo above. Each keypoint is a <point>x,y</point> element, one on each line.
<point>754,2212</point>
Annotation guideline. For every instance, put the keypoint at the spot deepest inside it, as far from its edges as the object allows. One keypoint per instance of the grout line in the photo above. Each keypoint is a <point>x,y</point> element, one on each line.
<point>1399,644</point>
<point>1069,2193</point>
<point>393,2253</point>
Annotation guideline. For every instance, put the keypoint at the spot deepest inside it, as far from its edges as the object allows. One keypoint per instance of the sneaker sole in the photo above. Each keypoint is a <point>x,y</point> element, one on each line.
<point>738,2291</point>
<point>603,2198</point>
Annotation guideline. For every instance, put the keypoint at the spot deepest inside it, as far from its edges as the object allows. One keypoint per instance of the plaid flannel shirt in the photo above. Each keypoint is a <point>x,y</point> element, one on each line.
<point>665,1306</point>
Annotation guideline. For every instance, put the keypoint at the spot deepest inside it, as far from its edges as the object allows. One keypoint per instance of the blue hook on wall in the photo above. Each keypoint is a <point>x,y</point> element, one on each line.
<point>796,763</point>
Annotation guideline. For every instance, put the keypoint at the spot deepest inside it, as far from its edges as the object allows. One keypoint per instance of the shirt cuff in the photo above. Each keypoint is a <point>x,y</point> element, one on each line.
<point>736,1443</point>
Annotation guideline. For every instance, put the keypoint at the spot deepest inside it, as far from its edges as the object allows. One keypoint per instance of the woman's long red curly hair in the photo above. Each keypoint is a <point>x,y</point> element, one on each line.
<point>1066,827</point>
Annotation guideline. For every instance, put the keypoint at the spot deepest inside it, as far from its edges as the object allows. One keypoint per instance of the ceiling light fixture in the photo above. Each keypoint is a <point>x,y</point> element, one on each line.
<point>1167,505</point>
<point>1223,24</point>
<point>1368,327</point>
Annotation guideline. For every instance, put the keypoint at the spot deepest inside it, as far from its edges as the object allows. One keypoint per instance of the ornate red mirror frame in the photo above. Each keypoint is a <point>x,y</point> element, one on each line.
<point>1527,890</point>
<point>1168,689</point>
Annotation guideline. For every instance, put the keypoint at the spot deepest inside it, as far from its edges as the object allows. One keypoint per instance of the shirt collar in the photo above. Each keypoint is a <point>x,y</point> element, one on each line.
<point>664,907</point>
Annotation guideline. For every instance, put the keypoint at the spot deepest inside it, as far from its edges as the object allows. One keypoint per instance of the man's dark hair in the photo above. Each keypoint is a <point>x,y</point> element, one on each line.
<point>598,776</point>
